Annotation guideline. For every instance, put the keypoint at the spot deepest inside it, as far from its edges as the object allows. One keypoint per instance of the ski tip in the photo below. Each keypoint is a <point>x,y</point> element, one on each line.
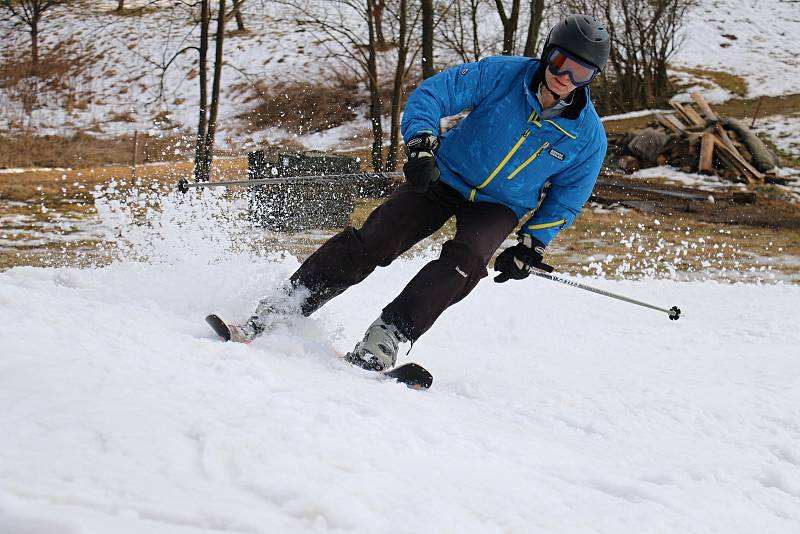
<point>219,327</point>
<point>412,375</point>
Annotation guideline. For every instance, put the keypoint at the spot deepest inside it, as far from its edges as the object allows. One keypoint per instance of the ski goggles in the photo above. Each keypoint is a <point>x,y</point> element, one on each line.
<point>562,62</point>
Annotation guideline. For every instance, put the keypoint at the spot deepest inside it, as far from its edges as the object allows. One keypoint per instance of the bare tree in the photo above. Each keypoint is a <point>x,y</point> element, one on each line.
<point>427,39</point>
<point>458,28</point>
<point>643,39</point>
<point>375,100</point>
<point>399,79</point>
<point>510,22</point>
<point>207,123</point>
<point>535,22</point>
<point>29,13</point>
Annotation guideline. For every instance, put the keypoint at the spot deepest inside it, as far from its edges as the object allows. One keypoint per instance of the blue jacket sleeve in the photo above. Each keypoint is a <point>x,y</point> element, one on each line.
<point>445,94</point>
<point>569,191</point>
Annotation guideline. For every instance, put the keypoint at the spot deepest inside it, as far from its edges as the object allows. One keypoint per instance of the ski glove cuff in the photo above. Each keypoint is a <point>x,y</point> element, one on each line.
<point>420,167</point>
<point>516,262</point>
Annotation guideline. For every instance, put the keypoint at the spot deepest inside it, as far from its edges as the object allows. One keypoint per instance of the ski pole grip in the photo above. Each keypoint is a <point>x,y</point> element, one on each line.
<point>542,266</point>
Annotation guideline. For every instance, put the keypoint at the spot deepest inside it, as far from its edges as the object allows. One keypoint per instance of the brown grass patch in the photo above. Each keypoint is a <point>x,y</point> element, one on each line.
<point>56,186</point>
<point>84,150</point>
<point>305,107</point>
<point>732,82</point>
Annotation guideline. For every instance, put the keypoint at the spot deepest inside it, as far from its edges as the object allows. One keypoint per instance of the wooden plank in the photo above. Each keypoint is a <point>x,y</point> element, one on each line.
<point>693,115</point>
<point>688,113</point>
<point>735,161</point>
<point>705,109</point>
<point>726,159</point>
<point>677,122</point>
<point>667,124</point>
<point>679,110</point>
<point>723,135</point>
<point>706,153</point>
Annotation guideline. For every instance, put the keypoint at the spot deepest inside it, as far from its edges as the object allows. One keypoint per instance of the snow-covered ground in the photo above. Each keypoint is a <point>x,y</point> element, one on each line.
<point>552,410</point>
<point>753,39</point>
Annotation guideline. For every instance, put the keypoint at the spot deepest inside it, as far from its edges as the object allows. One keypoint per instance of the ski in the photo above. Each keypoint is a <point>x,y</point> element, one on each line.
<point>219,326</point>
<point>412,374</point>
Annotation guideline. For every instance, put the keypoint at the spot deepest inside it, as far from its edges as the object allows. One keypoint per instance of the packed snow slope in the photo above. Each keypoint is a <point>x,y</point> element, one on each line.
<point>552,409</point>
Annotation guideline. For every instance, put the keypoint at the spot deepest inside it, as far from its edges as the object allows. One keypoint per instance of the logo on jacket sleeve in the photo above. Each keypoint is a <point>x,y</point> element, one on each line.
<point>556,154</point>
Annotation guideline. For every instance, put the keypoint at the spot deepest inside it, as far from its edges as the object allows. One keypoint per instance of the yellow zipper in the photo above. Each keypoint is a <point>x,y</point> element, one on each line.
<point>501,164</point>
<point>562,129</point>
<point>505,159</point>
<point>527,161</point>
<point>547,225</point>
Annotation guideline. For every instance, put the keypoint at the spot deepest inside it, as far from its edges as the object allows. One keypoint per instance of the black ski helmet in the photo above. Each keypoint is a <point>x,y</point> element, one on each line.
<point>582,35</point>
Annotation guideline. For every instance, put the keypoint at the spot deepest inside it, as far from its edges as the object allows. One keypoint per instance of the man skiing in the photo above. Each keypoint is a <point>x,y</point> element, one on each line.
<point>531,122</point>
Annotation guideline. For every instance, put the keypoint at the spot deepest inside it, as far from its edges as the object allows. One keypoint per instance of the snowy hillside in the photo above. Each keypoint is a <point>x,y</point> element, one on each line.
<point>120,88</point>
<point>552,410</point>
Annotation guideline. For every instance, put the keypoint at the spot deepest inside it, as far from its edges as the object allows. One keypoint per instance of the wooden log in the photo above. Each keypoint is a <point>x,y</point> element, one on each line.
<point>705,109</point>
<point>705,165</point>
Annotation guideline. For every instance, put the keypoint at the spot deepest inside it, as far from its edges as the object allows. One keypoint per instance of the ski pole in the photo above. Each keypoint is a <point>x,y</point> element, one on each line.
<point>184,185</point>
<point>674,312</point>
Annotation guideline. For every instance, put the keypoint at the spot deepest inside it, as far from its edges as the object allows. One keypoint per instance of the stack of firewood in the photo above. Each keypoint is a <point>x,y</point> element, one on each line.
<point>698,140</point>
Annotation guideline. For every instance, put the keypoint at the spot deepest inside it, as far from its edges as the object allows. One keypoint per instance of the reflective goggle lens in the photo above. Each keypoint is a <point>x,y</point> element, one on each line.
<point>560,62</point>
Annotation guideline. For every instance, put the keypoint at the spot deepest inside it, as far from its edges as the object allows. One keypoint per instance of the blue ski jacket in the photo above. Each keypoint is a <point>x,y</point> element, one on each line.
<point>503,151</point>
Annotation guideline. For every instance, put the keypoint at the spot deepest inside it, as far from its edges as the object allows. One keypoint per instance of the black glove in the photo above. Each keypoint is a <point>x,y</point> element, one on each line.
<point>420,167</point>
<point>516,262</point>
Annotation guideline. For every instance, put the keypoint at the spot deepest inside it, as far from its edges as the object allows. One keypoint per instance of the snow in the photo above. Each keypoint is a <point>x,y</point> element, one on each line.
<point>763,46</point>
<point>783,131</point>
<point>552,409</point>
<point>119,90</point>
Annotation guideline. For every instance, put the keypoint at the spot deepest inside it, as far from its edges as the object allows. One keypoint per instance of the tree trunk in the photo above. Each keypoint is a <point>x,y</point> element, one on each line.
<point>397,93</point>
<point>200,171</point>
<point>120,5</point>
<point>427,39</point>
<point>537,8</point>
<point>377,16</point>
<point>236,13</point>
<point>375,105</point>
<point>476,43</point>
<point>509,24</point>
<point>35,41</point>
<point>215,88</point>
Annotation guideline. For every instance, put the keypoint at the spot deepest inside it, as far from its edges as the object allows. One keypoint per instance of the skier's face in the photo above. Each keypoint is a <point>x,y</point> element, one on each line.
<point>561,85</point>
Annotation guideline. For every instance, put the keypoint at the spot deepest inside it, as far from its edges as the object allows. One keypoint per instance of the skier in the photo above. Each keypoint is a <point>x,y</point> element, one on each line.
<point>531,122</point>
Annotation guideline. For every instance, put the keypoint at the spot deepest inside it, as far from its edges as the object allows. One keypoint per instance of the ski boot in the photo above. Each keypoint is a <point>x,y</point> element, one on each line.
<point>278,308</point>
<point>378,350</point>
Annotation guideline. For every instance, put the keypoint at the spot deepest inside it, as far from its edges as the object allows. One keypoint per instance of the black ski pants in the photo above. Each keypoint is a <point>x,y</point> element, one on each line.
<point>403,220</point>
